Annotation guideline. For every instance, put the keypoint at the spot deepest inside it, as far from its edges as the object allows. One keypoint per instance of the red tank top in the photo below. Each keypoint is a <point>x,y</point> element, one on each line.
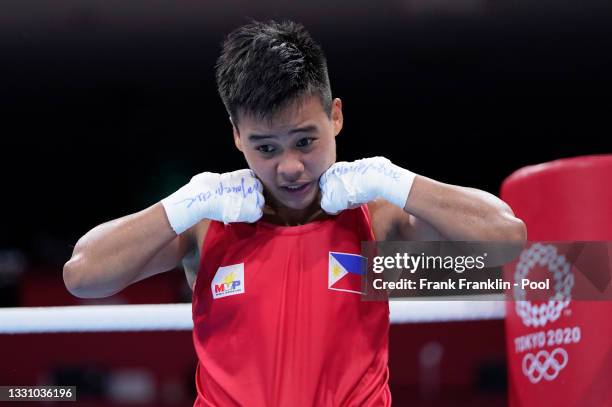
<point>279,320</point>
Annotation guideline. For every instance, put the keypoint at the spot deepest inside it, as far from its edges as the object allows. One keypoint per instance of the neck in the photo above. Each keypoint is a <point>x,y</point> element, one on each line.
<point>278,214</point>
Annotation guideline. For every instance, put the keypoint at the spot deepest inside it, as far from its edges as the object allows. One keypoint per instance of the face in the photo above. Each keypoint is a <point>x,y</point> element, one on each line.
<point>291,152</point>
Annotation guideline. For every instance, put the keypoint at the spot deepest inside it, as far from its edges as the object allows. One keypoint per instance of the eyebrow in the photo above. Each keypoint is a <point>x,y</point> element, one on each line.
<point>305,129</point>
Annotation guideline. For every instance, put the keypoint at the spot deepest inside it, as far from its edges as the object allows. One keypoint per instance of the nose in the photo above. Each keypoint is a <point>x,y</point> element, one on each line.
<point>290,167</point>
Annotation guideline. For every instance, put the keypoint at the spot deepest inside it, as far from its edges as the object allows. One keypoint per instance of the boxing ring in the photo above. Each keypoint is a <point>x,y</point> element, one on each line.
<point>177,317</point>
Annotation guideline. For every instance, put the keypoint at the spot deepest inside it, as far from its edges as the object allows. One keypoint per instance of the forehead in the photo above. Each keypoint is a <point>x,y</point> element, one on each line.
<point>304,111</point>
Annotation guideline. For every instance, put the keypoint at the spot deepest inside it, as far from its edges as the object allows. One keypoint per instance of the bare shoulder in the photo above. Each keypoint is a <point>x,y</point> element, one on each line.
<point>393,223</point>
<point>385,217</point>
<point>191,261</point>
<point>199,233</point>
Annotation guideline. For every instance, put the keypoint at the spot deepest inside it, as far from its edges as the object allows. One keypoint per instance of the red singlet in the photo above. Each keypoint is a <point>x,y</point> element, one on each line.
<point>277,321</point>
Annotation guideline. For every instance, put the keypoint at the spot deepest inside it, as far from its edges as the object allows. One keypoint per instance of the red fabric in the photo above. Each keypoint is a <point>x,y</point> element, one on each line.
<point>567,199</point>
<point>288,340</point>
<point>564,200</point>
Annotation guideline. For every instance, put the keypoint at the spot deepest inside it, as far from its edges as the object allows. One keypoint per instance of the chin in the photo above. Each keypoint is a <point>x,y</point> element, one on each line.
<point>299,204</point>
<point>295,204</point>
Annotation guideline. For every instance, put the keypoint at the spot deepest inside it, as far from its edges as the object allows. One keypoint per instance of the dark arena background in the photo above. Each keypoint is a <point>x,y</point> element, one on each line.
<point>107,107</point>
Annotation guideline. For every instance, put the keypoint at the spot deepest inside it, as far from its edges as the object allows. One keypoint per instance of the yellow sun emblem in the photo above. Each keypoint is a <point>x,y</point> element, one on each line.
<point>229,278</point>
<point>336,271</point>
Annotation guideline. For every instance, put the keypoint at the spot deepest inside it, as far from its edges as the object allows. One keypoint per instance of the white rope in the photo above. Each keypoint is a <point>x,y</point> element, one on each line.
<point>448,309</point>
<point>96,318</point>
<point>173,317</point>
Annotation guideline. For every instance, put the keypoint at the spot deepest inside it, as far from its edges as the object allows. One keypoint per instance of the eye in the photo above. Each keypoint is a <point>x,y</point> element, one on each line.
<point>306,141</point>
<point>265,148</point>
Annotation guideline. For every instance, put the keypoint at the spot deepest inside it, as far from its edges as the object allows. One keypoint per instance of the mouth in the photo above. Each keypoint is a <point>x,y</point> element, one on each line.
<point>297,189</point>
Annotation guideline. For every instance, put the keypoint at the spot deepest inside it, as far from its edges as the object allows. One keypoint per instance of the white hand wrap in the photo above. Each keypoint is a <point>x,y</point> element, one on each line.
<point>230,197</point>
<point>347,184</point>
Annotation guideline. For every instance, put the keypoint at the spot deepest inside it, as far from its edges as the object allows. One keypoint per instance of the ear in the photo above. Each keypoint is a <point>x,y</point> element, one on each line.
<point>336,116</point>
<point>236,133</point>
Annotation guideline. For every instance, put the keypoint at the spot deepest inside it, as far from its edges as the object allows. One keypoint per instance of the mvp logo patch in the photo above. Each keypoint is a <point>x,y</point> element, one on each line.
<point>228,280</point>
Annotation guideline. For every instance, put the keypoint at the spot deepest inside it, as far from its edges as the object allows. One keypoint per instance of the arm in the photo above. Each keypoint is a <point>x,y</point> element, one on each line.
<point>457,213</point>
<point>419,208</point>
<point>118,253</point>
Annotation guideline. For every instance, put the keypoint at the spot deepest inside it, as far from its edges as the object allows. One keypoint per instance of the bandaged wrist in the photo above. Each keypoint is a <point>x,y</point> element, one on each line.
<point>395,183</point>
<point>183,208</point>
<point>235,196</point>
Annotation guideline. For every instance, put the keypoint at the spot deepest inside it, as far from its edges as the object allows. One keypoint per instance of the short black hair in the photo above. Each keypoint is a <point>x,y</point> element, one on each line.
<point>266,66</point>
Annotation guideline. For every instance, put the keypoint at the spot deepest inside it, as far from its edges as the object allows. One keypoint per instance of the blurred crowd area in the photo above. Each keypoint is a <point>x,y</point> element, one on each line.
<point>24,283</point>
<point>111,368</point>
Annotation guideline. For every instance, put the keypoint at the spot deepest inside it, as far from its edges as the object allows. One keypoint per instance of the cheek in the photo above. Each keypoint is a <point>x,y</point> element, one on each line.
<point>318,166</point>
<point>328,157</point>
<point>262,168</point>
<point>252,161</point>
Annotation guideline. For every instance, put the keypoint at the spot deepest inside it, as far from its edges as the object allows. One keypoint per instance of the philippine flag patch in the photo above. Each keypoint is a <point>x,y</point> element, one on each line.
<point>228,280</point>
<point>345,272</point>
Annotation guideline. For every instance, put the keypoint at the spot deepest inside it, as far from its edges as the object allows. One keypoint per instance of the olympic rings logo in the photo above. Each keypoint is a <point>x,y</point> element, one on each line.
<point>544,365</point>
<point>543,255</point>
